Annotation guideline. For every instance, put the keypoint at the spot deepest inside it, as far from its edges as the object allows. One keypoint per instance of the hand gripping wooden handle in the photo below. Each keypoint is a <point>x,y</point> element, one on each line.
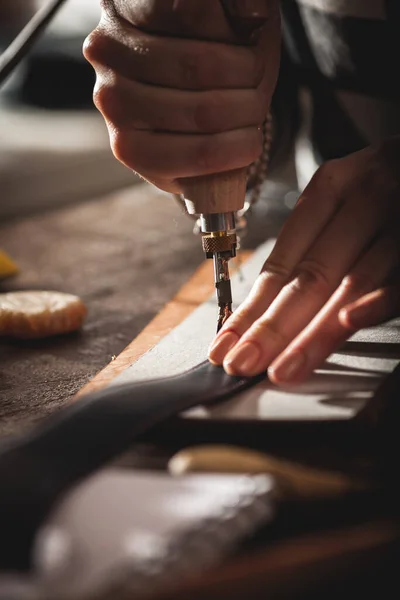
<point>219,193</point>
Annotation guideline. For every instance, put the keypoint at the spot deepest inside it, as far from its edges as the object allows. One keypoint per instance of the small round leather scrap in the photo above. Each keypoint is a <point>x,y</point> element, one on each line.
<point>37,314</point>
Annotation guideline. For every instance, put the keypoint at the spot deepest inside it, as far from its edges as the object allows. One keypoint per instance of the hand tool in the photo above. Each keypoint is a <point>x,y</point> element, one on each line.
<point>217,197</point>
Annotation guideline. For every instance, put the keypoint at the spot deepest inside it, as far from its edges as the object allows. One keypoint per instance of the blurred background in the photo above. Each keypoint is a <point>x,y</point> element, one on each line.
<point>52,140</point>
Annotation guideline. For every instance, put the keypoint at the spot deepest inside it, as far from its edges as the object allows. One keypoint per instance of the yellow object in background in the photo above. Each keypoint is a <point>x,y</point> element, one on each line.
<point>7,266</point>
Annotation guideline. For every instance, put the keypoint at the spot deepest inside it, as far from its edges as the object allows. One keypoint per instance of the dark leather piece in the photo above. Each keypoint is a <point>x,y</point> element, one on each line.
<point>37,468</point>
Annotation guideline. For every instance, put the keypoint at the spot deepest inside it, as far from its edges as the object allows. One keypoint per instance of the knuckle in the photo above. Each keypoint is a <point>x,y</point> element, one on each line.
<point>123,146</point>
<point>95,46</point>
<point>275,269</point>
<point>133,149</point>
<point>265,328</point>
<point>105,97</point>
<point>243,318</point>
<point>239,325</point>
<point>312,277</point>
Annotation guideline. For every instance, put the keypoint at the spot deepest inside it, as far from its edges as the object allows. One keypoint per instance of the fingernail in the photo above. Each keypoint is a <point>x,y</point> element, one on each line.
<point>256,9</point>
<point>244,360</point>
<point>288,367</point>
<point>221,346</point>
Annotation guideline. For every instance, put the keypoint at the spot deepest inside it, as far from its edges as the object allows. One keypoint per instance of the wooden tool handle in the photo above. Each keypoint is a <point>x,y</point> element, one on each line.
<point>219,193</point>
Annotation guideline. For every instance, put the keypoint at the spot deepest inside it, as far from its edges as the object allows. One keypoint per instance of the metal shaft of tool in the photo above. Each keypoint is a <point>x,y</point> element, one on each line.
<point>220,244</point>
<point>221,227</point>
<point>223,289</point>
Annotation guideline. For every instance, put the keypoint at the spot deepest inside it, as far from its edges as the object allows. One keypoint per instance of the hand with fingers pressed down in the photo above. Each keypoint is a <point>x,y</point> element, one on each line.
<point>335,269</point>
<point>182,92</point>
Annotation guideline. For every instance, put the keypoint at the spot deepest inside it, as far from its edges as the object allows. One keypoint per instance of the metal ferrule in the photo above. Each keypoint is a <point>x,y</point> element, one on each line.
<point>217,222</point>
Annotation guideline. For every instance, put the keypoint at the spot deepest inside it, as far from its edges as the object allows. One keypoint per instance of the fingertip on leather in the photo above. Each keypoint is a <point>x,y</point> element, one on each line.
<point>222,344</point>
<point>289,368</point>
<point>243,361</point>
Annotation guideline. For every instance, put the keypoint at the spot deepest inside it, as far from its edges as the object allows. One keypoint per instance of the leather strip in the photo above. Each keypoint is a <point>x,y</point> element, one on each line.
<point>39,467</point>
